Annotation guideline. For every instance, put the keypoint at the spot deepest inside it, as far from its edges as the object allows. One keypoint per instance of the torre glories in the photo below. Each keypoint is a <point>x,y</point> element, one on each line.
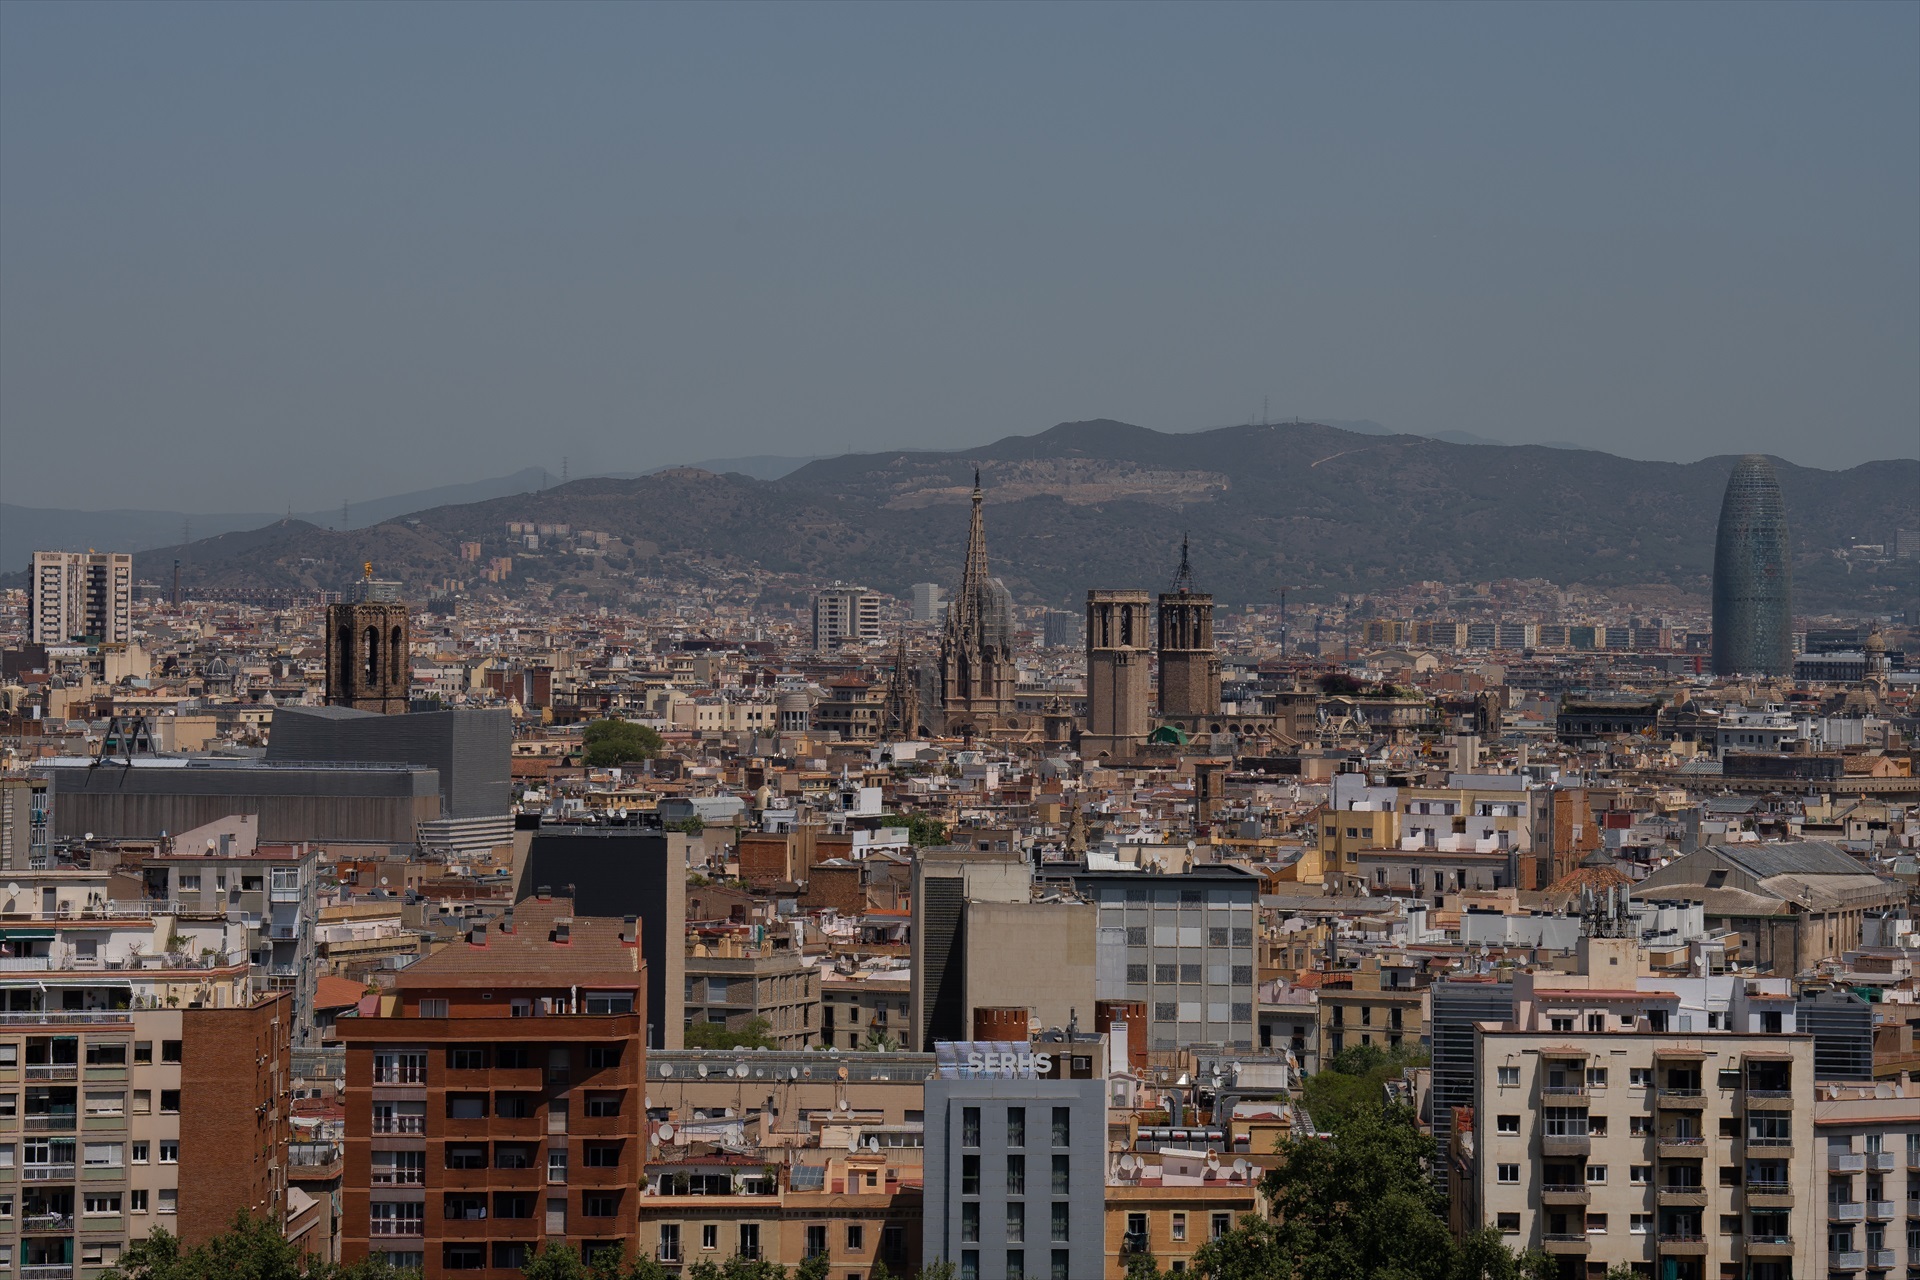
<point>1752,576</point>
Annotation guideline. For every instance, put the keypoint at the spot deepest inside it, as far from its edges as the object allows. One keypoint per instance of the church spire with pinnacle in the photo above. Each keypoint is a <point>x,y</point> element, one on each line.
<point>1183,579</point>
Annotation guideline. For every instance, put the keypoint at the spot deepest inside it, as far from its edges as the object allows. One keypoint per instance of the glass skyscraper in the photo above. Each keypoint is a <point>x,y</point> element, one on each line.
<point>1752,576</point>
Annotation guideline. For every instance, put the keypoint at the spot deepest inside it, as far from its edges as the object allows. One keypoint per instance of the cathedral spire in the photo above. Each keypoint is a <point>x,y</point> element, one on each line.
<point>973,578</point>
<point>1183,580</point>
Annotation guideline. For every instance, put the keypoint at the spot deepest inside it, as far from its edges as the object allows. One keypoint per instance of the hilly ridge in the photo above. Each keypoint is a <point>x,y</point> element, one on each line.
<point>1306,508</point>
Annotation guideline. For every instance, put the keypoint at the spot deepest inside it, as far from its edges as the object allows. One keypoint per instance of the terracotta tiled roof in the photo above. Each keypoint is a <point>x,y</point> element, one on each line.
<point>592,956</point>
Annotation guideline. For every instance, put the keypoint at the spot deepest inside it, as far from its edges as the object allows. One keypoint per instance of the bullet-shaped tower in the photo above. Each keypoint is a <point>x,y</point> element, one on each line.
<point>1752,576</point>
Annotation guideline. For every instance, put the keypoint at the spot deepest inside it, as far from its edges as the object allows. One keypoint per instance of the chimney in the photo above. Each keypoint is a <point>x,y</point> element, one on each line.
<point>563,930</point>
<point>506,921</point>
<point>630,930</point>
<point>477,934</point>
<point>545,892</point>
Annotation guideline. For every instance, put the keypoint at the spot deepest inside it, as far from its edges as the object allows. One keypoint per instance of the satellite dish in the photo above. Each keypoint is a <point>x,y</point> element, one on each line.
<point>703,1071</point>
<point>846,1106</point>
<point>666,1133</point>
<point>740,1069</point>
<point>842,1073</point>
<point>873,1144</point>
<point>793,1073</point>
<point>383,880</point>
<point>13,889</point>
<point>666,1068</point>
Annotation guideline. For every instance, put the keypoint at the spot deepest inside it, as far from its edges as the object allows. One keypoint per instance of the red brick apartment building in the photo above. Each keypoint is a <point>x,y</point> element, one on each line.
<point>497,1101</point>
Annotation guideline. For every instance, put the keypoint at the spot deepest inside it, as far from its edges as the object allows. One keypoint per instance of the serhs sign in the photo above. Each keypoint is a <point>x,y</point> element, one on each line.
<point>1006,1059</point>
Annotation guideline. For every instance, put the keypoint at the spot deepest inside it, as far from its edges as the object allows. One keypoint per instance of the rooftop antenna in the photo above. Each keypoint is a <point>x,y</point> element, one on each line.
<point>1264,421</point>
<point>346,512</point>
<point>563,468</point>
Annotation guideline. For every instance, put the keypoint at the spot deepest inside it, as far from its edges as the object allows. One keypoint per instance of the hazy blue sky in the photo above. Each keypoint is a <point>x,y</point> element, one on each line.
<point>260,255</point>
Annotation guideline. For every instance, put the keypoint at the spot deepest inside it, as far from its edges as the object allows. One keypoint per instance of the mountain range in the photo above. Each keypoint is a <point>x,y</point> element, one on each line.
<point>1307,508</point>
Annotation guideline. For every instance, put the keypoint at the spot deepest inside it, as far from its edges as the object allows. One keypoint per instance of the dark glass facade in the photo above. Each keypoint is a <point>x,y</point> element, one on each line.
<point>1752,576</point>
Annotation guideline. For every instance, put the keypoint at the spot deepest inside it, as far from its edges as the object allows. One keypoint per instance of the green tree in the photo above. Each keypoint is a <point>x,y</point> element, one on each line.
<point>879,1041</point>
<point>251,1249</point>
<point>922,830</point>
<point>737,1268</point>
<point>1141,1266</point>
<point>556,1262</point>
<point>616,742</point>
<point>754,1033</point>
<point>1356,1080</point>
<point>815,1268</point>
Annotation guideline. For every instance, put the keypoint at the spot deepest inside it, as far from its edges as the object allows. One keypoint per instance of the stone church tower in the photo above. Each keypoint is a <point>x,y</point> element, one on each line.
<point>1189,666</point>
<point>369,664</point>
<point>977,670</point>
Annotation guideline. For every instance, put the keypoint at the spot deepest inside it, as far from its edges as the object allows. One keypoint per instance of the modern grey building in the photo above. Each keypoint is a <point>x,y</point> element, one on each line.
<point>1184,945</point>
<point>470,748</point>
<point>1455,1007</point>
<point>1016,1177</point>
<point>1752,576</point>
<point>1841,1024</point>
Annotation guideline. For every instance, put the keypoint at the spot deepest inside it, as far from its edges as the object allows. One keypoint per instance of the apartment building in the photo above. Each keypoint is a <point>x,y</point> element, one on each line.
<point>496,1099</point>
<point>845,613</point>
<point>1606,1135</point>
<point>729,983</point>
<point>80,594</point>
<point>1171,1204</point>
<point>26,804</point>
<point>119,1115</point>
<point>1184,945</point>
<point>1015,1174</point>
<point>1383,1004</point>
<point>1869,1160</point>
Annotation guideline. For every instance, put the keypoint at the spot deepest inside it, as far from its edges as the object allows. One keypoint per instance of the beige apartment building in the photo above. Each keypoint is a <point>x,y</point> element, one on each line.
<point>1604,1138</point>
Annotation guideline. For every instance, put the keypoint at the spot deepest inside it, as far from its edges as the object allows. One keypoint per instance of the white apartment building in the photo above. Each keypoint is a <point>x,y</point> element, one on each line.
<point>1617,1122</point>
<point>81,593</point>
<point>845,613</point>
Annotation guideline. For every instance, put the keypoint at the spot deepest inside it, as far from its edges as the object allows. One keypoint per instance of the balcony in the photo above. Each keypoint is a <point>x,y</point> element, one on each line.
<point>1673,1146</point>
<point>58,1070</point>
<point>1560,1094</point>
<point>1681,1195</point>
<point>1565,1144</point>
<point>282,894</point>
<point>1848,1260</point>
<point>1681,1100</point>
<point>1566,1242</point>
<point>1844,1162</point>
<point>47,1224</point>
<point>1879,1210</point>
<point>1771,1143</point>
<point>1879,1259</point>
<point>1880,1162</point>
<point>1769,1195</point>
<point>47,1271</point>
<point>1846,1211</point>
<point>1770,1246</point>
<point>1767,1099</point>
<point>46,1173</point>
<point>1683,1242</point>
<point>1564,1194</point>
<point>50,1122</point>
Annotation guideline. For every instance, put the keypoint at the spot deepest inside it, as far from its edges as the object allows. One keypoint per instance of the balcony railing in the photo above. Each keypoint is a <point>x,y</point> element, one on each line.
<point>1847,1259</point>
<point>397,1227</point>
<point>1879,1258</point>
<point>47,1271</point>
<point>59,1223</point>
<point>401,1124</point>
<point>68,1017</point>
<point>1880,1162</point>
<point>1845,1211</point>
<point>1842,1161</point>
<point>1879,1210</point>
<point>51,1122</point>
<point>54,1070</point>
<point>46,1172</point>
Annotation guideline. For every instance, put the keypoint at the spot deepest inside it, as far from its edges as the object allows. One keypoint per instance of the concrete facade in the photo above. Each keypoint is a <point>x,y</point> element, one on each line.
<point>1184,944</point>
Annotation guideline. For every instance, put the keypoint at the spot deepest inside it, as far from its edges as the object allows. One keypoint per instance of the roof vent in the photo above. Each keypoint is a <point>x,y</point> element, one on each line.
<point>563,929</point>
<point>545,892</point>
<point>506,921</point>
<point>477,935</point>
<point>630,930</point>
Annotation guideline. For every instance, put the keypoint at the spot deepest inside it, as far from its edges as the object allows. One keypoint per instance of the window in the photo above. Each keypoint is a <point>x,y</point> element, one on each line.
<point>856,1238</point>
<point>1508,1224</point>
<point>399,1117</point>
<point>1596,1077</point>
<point>1016,1126</point>
<point>1062,1126</point>
<point>170,1051</point>
<point>970,1126</point>
<point>1508,1173</point>
<point>1596,1224</point>
<point>1639,1224</point>
<point>601,1155</point>
<point>969,1222</point>
<point>1016,1175</point>
<point>104,1155</point>
<point>1508,1124</point>
<point>169,1200</point>
<point>509,1254</point>
<point>169,1153</point>
<point>1062,1176</point>
<point>602,1056</point>
<point>517,1106</point>
<point>600,1204</point>
<point>1560,1024</point>
<point>137,1200</point>
<point>556,1164</point>
<point>516,1058</point>
<point>399,1068</point>
<point>1509,1076</point>
<point>399,1168</point>
<point>140,1150</point>
<point>1136,973</point>
<point>1221,1224</point>
<point>1637,1126</point>
<point>603,1104</point>
<point>169,1102</point>
<point>1640,1174</point>
<point>749,1240</point>
<point>9,1055</point>
<point>433,1006</point>
<point>389,1219</point>
<point>112,1054</point>
<point>467,1156</point>
<point>1016,1264</point>
<point>1640,1077</point>
<point>1179,1225</point>
<point>467,1059</point>
<point>969,1175</point>
<point>669,1242</point>
<point>466,1106</point>
<point>1059,1222</point>
<point>106,1104</point>
<point>190,880</point>
<point>1017,1222</point>
<point>142,1101</point>
<point>1596,1173</point>
<point>463,1257</point>
<point>100,1203</point>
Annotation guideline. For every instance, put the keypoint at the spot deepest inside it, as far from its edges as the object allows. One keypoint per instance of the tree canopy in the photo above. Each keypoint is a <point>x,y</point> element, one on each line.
<point>754,1033</point>
<point>616,742</point>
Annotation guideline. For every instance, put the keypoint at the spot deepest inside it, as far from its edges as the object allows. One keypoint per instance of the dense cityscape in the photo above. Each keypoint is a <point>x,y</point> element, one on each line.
<point>752,928</point>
